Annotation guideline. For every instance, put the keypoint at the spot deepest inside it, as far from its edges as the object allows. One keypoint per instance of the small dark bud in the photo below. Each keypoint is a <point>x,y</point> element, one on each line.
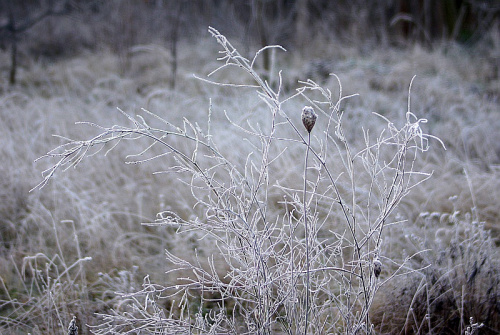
<point>377,267</point>
<point>309,117</point>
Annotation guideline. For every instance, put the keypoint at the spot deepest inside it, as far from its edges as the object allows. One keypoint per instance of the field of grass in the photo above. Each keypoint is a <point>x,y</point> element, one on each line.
<point>77,245</point>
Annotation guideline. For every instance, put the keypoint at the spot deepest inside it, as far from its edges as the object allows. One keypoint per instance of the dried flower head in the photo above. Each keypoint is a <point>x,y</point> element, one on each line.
<point>73,328</point>
<point>309,117</point>
<point>377,267</point>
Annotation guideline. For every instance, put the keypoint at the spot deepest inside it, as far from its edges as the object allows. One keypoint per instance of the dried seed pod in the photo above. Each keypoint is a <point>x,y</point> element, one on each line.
<point>73,328</point>
<point>309,117</point>
<point>377,267</point>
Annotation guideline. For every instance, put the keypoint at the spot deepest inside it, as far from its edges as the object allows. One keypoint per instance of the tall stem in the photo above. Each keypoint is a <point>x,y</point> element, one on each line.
<point>306,235</point>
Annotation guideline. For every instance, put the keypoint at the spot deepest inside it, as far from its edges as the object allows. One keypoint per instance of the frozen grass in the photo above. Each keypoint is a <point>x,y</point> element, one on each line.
<point>102,203</point>
<point>459,286</point>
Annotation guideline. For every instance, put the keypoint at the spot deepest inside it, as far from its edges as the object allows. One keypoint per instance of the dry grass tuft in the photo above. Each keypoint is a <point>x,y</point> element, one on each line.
<point>460,280</point>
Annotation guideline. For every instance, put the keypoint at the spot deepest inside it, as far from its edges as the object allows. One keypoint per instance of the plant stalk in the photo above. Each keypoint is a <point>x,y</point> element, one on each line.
<point>306,235</point>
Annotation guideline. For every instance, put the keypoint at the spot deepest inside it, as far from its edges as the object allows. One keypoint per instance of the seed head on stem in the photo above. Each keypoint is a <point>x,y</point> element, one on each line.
<point>309,117</point>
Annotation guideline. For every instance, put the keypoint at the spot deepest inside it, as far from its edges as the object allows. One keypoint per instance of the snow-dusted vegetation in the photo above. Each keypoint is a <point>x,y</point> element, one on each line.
<point>182,193</point>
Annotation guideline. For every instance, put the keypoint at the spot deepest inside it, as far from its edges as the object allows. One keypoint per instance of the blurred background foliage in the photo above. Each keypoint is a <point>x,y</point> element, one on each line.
<point>56,28</point>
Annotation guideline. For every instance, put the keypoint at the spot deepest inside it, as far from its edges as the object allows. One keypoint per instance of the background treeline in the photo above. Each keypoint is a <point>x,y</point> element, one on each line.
<point>48,29</point>
<point>120,23</point>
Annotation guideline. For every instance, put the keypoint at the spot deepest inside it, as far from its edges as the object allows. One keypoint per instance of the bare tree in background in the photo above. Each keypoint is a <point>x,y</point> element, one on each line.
<point>176,21</point>
<point>17,25</point>
<point>301,22</point>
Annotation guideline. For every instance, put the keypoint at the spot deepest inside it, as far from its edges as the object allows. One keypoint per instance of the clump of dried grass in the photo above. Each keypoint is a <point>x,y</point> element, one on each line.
<point>48,290</point>
<point>460,281</point>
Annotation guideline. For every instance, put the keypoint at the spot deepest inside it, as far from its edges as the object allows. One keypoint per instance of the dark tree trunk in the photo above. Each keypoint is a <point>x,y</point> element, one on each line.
<point>13,60</point>
<point>11,27</point>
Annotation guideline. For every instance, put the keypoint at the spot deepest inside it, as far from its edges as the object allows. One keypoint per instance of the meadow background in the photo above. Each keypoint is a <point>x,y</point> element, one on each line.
<point>71,247</point>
